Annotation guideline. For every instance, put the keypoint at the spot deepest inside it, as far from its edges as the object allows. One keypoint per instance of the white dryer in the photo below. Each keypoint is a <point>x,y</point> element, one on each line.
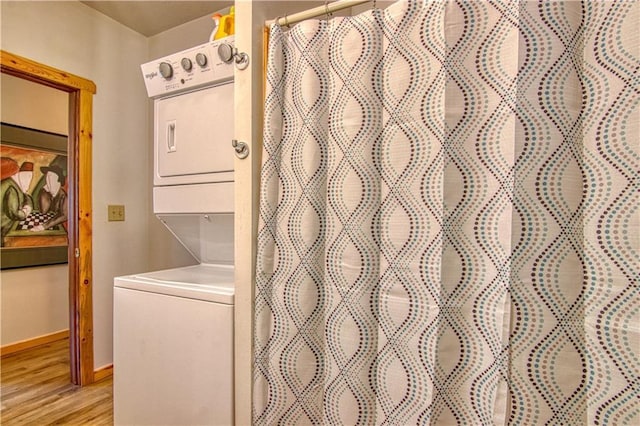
<point>173,329</point>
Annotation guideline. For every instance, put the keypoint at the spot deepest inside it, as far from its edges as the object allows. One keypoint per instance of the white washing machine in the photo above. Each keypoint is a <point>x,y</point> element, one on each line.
<point>173,340</point>
<point>173,329</point>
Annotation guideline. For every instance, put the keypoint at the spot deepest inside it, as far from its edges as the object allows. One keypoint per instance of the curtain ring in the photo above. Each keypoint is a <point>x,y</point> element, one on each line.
<point>286,21</point>
<point>326,9</point>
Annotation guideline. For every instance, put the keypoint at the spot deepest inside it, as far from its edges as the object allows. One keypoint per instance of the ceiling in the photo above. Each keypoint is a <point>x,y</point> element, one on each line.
<point>150,17</point>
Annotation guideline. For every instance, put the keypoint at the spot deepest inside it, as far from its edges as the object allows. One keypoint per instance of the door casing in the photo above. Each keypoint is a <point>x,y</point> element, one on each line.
<point>81,93</point>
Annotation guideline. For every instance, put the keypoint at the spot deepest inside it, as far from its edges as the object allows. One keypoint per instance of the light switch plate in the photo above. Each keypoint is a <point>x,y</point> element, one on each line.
<point>116,213</point>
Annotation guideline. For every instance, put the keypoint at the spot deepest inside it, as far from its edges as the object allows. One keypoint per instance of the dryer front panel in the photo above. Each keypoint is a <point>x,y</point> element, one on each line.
<point>193,133</point>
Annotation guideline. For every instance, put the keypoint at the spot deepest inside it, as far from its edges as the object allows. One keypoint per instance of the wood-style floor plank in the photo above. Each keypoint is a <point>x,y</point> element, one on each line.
<point>36,390</point>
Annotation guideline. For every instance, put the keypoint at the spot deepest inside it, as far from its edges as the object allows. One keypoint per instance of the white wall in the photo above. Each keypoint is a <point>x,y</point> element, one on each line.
<point>182,37</point>
<point>29,104</point>
<point>77,39</point>
<point>34,301</point>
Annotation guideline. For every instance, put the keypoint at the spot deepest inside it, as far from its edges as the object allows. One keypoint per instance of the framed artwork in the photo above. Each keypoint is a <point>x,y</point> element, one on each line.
<point>34,203</point>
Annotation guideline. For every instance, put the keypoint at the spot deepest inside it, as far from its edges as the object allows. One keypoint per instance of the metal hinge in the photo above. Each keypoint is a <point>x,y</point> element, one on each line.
<point>77,252</point>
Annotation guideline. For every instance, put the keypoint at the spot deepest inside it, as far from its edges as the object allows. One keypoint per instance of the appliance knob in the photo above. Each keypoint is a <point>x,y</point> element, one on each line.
<point>166,70</point>
<point>226,52</point>
<point>201,59</point>
<point>186,64</point>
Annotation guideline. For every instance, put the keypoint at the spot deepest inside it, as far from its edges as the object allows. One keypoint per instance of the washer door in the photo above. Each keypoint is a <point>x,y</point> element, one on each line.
<point>172,360</point>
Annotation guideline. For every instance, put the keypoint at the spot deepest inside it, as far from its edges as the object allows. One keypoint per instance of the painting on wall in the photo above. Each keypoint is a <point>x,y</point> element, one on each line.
<point>34,197</point>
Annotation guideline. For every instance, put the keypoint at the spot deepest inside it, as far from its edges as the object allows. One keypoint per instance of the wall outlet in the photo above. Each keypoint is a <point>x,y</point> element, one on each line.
<point>116,213</point>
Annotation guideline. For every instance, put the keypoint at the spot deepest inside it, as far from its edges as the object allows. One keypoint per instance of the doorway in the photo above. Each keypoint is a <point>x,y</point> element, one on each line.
<point>80,93</point>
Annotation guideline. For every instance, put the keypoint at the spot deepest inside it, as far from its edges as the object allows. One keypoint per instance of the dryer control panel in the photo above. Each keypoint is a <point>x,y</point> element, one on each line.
<point>199,66</point>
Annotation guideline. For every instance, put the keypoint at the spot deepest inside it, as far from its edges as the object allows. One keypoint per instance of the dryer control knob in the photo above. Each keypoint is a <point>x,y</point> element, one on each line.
<point>166,70</point>
<point>226,52</point>
<point>186,64</point>
<point>201,59</point>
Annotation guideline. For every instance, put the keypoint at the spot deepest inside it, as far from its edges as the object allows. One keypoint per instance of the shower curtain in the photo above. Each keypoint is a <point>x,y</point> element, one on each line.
<point>449,217</point>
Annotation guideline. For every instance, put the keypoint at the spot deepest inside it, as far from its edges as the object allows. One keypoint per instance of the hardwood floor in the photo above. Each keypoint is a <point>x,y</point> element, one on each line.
<point>36,390</point>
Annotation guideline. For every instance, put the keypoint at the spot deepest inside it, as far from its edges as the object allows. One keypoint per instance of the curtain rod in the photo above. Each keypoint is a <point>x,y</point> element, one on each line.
<point>316,11</point>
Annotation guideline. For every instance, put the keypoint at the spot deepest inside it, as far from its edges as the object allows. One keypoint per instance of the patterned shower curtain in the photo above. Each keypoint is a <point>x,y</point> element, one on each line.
<point>449,217</point>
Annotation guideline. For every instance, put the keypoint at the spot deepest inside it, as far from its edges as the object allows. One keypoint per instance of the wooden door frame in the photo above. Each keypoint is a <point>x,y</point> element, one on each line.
<point>81,93</point>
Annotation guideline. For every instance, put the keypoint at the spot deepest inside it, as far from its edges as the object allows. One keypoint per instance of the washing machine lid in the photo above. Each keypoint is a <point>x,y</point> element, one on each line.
<point>213,283</point>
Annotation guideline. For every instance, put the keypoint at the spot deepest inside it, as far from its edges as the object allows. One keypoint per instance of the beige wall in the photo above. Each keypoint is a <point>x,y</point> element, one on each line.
<point>75,38</point>
<point>34,301</point>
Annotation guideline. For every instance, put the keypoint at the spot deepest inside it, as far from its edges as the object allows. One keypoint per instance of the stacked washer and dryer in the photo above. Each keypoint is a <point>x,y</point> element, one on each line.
<point>173,329</point>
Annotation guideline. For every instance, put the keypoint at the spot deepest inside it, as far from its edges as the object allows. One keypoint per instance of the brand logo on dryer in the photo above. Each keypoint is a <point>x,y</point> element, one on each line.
<point>151,75</point>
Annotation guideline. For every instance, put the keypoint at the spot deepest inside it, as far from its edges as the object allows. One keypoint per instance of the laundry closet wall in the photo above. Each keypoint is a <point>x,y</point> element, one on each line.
<point>167,251</point>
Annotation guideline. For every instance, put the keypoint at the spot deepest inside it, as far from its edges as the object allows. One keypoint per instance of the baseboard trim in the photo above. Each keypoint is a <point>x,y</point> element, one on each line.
<point>103,372</point>
<point>32,343</point>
